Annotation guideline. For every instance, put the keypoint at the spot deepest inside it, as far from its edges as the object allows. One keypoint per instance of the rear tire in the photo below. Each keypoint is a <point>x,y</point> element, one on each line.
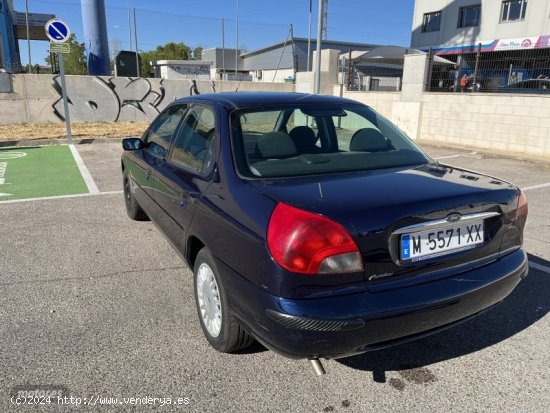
<point>133,209</point>
<point>220,327</point>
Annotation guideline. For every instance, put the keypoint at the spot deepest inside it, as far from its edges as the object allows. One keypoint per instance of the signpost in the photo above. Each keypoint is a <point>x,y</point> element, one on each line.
<point>58,32</point>
<point>63,48</point>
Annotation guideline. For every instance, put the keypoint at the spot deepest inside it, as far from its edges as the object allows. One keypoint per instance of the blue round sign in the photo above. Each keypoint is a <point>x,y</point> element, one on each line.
<point>57,31</point>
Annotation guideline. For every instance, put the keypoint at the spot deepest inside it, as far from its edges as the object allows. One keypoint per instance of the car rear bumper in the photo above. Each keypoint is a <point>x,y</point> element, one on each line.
<point>351,324</point>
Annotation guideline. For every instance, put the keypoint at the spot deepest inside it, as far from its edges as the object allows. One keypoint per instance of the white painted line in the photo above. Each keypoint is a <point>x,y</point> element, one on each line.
<point>448,157</point>
<point>48,198</point>
<point>539,267</point>
<point>527,188</point>
<point>92,187</point>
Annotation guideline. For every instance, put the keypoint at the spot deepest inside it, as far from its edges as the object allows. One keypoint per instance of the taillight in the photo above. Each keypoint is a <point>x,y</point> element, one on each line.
<point>522,205</point>
<point>307,243</point>
<point>521,212</point>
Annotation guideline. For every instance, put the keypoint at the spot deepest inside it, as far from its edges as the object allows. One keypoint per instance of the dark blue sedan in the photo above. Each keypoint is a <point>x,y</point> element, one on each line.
<point>315,226</point>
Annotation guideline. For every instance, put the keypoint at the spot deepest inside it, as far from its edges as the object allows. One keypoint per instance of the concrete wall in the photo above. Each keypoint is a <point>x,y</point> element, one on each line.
<point>305,81</point>
<point>37,98</point>
<point>272,75</point>
<point>382,102</point>
<point>514,124</point>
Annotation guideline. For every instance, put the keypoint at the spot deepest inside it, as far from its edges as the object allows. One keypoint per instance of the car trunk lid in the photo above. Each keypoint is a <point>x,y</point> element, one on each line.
<point>379,207</point>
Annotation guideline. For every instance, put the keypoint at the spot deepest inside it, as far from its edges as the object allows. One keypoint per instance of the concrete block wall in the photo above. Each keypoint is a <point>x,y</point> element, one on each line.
<point>37,98</point>
<point>382,102</point>
<point>515,124</point>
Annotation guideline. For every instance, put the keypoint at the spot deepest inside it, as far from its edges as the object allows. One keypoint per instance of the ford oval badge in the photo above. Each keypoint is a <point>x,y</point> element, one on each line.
<point>454,217</point>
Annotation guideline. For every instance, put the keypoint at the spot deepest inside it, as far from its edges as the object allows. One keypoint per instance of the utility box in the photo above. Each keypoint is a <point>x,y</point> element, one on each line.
<point>125,64</point>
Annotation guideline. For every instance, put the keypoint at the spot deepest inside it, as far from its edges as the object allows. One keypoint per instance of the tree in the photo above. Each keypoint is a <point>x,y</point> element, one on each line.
<point>170,51</point>
<point>197,53</point>
<point>75,61</point>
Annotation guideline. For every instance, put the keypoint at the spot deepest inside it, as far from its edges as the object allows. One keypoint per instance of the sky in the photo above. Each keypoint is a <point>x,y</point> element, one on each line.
<point>199,22</point>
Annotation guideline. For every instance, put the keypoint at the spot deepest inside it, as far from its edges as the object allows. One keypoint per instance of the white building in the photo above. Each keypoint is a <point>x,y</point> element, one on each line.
<point>182,69</point>
<point>494,43</point>
<point>454,26</point>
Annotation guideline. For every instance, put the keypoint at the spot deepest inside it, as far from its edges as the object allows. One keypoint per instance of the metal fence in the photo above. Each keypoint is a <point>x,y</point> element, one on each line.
<point>511,71</point>
<point>374,77</point>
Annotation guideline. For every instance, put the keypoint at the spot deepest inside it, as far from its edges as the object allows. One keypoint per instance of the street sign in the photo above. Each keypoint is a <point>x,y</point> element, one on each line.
<point>57,31</point>
<point>64,48</point>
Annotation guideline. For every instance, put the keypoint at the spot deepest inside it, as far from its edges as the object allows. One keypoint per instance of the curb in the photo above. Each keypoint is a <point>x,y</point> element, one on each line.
<point>59,141</point>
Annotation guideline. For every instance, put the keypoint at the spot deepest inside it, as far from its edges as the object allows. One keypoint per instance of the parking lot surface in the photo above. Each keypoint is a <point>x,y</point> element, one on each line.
<point>103,306</point>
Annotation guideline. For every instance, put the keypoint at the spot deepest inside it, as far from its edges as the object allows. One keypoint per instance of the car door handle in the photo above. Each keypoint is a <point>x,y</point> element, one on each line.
<point>182,201</point>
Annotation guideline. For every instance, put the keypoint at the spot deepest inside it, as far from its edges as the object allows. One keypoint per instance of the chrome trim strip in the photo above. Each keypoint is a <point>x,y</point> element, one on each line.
<point>443,223</point>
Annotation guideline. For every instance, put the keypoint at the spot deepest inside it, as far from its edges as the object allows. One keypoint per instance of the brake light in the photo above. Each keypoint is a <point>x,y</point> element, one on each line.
<point>522,205</point>
<point>307,243</point>
<point>521,212</point>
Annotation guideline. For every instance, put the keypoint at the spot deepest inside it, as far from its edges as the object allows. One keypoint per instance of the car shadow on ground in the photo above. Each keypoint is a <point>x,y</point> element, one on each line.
<point>525,306</point>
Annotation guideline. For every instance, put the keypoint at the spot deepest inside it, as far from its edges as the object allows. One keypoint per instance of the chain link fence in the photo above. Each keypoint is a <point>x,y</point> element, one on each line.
<point>510,71</point>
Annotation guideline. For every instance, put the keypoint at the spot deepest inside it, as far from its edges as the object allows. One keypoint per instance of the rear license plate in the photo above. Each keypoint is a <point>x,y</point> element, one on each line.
<point>436,242</point>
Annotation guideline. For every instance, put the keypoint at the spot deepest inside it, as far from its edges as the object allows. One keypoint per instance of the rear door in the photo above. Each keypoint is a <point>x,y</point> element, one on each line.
<point>184,177</point>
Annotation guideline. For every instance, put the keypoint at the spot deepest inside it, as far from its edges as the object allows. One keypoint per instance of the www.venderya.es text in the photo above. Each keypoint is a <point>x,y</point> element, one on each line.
<point>99,400</point>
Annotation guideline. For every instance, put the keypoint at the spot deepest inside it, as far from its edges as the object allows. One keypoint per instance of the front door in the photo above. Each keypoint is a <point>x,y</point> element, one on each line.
<point>156,144</point>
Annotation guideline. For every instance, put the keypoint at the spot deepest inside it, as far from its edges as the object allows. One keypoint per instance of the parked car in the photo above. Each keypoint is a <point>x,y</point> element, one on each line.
<point>527,86</point>
<point>314,225</point>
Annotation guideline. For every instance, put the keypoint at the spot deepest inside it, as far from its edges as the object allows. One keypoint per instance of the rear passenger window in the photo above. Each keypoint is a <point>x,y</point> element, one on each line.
<point>162,129</point>
<point>357,133</point>
<point>193,146</point>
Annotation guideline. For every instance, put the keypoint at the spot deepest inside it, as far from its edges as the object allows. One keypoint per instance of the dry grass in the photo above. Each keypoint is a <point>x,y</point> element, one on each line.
<point>26,131</point>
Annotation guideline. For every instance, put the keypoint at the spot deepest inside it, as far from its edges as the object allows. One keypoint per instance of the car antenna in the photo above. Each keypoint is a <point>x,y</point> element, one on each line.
<point>238,86</point>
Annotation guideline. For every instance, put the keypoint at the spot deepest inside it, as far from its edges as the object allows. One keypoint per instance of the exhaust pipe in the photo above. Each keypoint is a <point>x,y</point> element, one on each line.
<point>317,367</point>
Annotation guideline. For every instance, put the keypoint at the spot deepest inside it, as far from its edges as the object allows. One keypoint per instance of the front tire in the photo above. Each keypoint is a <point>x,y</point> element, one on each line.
<point>220,327</point>
<point>133,209</point>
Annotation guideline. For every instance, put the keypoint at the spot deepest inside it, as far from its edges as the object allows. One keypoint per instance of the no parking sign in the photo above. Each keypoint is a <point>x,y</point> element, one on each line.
<point>57,31</point>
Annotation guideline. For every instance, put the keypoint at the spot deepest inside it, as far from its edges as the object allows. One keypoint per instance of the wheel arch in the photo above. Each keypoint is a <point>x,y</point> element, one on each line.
<point>193,246</point>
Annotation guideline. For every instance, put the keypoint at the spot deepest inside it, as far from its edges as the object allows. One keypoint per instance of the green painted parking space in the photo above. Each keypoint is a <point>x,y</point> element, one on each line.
<point>38,172</point>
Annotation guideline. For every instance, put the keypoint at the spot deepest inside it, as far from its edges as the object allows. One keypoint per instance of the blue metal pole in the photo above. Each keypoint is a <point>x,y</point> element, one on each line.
<point>95,37</point>
<point>8,48</point>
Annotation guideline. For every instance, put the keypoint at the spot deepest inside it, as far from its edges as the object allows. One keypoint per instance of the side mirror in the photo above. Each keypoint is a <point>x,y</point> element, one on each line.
<point>132,144</point>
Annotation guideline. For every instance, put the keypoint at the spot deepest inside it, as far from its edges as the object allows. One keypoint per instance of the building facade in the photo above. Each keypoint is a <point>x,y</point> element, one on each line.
<point>451,25</point>
<point>277,62</point>
<point>498,44</point>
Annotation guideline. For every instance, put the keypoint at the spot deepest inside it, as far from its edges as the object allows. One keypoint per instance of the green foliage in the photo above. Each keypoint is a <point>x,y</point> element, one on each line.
<point>197,53</point>
<point>170,51</point>
<point>75,61</point>
<point>35,69</point>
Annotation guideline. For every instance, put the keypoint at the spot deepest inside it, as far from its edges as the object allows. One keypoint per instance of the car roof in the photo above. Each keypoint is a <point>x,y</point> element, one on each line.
<point>236,100</point>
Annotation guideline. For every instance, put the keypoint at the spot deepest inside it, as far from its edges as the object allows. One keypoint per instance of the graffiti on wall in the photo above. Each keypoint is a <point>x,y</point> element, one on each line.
<point>100,99</point>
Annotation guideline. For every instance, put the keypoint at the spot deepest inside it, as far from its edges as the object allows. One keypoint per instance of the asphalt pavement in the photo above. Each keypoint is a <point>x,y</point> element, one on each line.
<point>102,306</point>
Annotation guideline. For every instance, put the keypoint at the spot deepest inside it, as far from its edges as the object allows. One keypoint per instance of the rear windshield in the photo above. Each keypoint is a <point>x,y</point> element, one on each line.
<point>317,139</point>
